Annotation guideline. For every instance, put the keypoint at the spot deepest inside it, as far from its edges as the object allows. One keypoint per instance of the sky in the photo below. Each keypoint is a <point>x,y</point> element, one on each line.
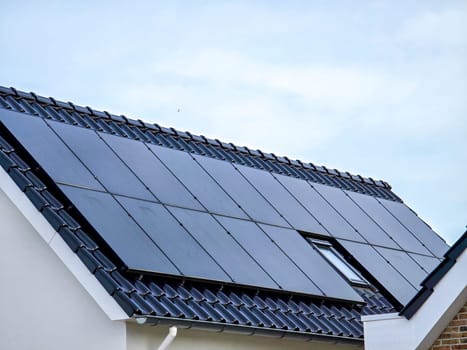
<point>377,88</point>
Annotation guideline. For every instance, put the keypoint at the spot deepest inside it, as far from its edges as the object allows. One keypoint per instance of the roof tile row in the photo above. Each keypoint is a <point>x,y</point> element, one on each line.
<point>86,117</point>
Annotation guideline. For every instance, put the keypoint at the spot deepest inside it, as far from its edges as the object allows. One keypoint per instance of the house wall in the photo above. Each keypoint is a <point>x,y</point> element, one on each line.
<point>454,336</point>
<point>144,337</point>
<point>43,306</point>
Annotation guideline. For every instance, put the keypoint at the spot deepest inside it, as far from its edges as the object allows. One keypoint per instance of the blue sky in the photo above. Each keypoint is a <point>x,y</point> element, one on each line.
<point>376,88</point>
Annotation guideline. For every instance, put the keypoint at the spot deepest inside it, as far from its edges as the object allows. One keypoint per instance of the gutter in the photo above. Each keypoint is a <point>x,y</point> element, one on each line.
<point>246,330</point>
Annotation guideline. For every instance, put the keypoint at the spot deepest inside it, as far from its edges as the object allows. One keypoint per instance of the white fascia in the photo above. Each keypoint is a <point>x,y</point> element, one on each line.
<point>391,331</point>
<point>61,249</point>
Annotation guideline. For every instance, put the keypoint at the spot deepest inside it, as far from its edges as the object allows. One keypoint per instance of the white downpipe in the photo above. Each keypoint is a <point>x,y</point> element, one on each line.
<point>169,338</point>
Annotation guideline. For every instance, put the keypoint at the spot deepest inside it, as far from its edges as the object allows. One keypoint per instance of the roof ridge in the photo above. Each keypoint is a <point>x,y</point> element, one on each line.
<point>185,135</point>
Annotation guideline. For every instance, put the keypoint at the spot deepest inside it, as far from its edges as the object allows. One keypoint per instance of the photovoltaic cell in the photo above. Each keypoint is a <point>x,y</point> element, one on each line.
<point>269,256</point>
<point>355,216</point>
<point>402,262</point>
<point>415,225</point>
<point>149,169</point>
<point>380,269</point>
<point>198,181</point>
<point>119,231</point>
<point>183,250</point>
<point>277,195</point>
<point>103,163</point>
<point>241,191</point>
<point>333,224</point>
<point>48,150</point>
<point>390,225</point>
<point>223,248</point>
<point>310,261</point>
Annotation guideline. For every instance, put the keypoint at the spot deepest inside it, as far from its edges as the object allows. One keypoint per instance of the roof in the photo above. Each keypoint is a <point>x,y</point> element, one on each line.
<point>92,175</point>
<point>430,282</point>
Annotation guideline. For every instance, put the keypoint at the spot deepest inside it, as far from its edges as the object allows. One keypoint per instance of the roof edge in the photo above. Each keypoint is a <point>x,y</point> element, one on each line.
<point>430,281</point>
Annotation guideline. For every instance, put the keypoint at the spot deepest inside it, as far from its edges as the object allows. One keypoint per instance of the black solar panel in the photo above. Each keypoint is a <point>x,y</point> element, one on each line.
<point>281,268</point>
<point>168,211</point>
<point>173,239</point>
<point>403,237</point>
<point>333,224</point>
<point>104,164</point>
<point>415,225</point>
<point>403,263</point>
<point>206,190</point>
<point>311,263</point>
<point>295,214</point>
<point>362,223</point>
<point>381,270</point>
<point>119,230</point>
<point>150,170</point>
<point>48,150</point>
<point>238,264</point>
<point>427,262</point>
<point>241,191</point>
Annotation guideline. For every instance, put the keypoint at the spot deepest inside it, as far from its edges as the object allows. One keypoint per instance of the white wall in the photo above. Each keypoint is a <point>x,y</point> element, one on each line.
<point>42,304</point>
<point>144,337</point>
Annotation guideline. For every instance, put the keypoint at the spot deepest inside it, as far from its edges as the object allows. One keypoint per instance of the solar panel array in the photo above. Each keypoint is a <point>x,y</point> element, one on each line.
<point>171,212</point>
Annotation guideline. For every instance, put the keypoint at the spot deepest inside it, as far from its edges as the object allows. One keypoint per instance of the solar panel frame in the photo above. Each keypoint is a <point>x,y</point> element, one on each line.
<point>312,263</point>
<point>48,150</point>
<point>391,279</point>
<point>278,196</point>
<point>173,239</point>
<point>417,226</point>
<point>198,181</point>
<point>268,255</point>
<point>356,217</point>
<point>103,163</point>
<point>230,255</point>
<point>152,172</point>
<point>238,188</point>
<point>403,237</point>
<point>120,232</point>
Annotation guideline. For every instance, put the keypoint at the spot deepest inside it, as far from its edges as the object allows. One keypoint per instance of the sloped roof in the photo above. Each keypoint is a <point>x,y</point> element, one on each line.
<point>363,218</point>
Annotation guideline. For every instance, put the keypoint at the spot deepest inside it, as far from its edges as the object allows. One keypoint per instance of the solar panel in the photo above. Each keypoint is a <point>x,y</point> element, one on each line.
<point>223,248</point>
<point>388,223</point>
<point>182,249</point>
<point>380,269</point>
<point>149,169</point>
<point>415,225</point>
<point>295,214</point>
<point>119,231</point>
<point>206,190</point>
<point>310,261</point>
<point>403,263</point>
<point>241,191</point>
<point>355,216</point>
<point>332,222</point>
<point>101,161</point>
<point>48,150</point>
<point>427,262</point>
<point>281,268</point>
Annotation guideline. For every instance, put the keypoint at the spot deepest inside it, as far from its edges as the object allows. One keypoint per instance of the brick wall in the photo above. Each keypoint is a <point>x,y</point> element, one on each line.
<point>454,337</point>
